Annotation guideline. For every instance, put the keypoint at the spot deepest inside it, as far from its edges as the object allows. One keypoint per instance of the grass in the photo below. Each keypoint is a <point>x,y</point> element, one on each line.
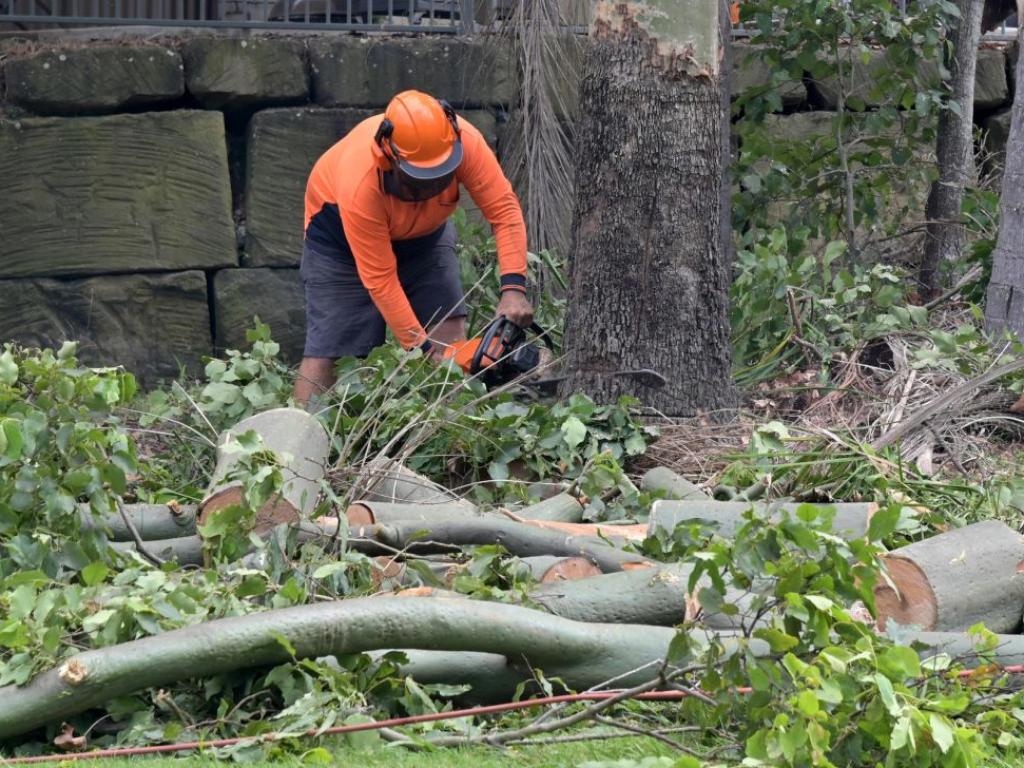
<point>571,754</point>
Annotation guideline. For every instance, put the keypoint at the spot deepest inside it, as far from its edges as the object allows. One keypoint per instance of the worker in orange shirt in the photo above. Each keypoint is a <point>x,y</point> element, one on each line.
<point>379,249</point>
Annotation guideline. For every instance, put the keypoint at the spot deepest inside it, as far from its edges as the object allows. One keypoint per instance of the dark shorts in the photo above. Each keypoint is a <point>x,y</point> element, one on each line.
<point>341,318</point>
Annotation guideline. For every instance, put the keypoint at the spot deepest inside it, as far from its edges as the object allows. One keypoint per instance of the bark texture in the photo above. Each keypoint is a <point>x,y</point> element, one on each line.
<point>301,445</point>
<point>1004,304</point>
<point>672,483</point>
<point>152,521</point>
<point>583,655</point>
<point>851,519</point>
<point>649,264</point>
<point>952,581</point>
<point>562,508</point>
<point>954,150</point>
<point>386,480</point>
<point>519,539</point>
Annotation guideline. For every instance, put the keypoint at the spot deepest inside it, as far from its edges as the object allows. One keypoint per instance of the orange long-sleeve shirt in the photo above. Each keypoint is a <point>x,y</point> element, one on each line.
<point>346,184</point>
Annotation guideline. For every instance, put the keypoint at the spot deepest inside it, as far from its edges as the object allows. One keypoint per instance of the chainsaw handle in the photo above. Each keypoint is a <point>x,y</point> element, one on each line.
<point>495,329</point>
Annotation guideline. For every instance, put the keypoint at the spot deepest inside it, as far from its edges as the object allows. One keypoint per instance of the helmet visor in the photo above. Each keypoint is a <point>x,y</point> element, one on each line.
<point>412,190</point>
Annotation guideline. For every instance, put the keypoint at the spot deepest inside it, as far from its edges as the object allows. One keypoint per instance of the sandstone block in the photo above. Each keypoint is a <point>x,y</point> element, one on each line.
<point>997,134</point>
<point>94,79</point>
<point>230,73</point>
<point>275,295</point>
<point>151,324</point>
<point>365,72</point>
<point>284,144</point>
<point>125,193</point>
<point>991,89</point>
<point>748,74</point>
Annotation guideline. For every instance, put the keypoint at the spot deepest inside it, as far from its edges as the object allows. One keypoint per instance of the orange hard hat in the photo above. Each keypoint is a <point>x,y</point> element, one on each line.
<point>421,136</point>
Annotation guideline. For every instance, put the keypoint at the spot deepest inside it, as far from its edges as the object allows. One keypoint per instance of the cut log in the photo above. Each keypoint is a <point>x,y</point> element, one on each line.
<point>650,596</point>
<point>366,512</point>
<point>153,521</point>
<point>551,569</point>
<point>518,538</point>
<point>387,480</point>
<point>583,655</point>
<point>183,550</point>
<point>672,483</point>
<point>563,508</point>
<point>623,533</point>
<point>955,580</point>
<point>851,519</point>
<point>301,445</point>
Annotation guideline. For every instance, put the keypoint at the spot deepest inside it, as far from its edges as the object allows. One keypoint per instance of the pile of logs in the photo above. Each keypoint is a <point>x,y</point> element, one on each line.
<point>599,610</point>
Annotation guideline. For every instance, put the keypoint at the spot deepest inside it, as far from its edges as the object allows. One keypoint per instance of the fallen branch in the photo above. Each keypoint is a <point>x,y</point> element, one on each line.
<point>946,402</point>
<point>140,547</point>
<point>583,655</point>
<point>518,538</point>
<point>675,485</point>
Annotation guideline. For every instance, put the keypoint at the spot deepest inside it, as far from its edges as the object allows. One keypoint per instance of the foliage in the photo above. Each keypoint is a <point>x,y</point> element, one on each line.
<point>792,305</point>
<point>478,261</point>
<point>843,179</point>
<point>829,691</point>
<point>60,443</point>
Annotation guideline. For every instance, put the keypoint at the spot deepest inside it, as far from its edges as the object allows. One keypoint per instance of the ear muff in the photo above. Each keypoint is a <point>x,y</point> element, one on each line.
<point>383,139</point>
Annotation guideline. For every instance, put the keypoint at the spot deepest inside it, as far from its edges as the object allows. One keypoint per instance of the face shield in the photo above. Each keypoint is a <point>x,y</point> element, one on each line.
<point>421,179</point>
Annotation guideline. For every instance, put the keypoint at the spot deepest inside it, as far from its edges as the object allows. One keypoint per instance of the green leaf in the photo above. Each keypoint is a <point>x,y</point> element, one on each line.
<point>328,570</point>
<point>888,695</point>
<point>8,368</point>
<point>94,573</point>
<point>778,640</point>
<point>899,663</point>
<point>883,522</point>
<point>15,439</point>
<point>942,733</point>
<point>574,431</point>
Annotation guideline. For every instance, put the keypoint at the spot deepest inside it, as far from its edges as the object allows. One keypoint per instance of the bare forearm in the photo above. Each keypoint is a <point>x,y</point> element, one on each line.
<point>316,376</point>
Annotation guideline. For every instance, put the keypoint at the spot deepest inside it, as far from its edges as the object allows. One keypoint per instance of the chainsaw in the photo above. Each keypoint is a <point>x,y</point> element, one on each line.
<point>504,354</point>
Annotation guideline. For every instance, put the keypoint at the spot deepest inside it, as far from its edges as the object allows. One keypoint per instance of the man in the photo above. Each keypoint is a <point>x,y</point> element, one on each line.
<point>379,249</point>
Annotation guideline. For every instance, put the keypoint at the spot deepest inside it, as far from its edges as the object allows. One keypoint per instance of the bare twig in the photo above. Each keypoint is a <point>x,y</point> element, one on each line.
<point>140,546</point>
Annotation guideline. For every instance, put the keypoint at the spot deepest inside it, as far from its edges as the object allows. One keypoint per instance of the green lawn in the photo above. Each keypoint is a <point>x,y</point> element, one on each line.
<point>522,757</point>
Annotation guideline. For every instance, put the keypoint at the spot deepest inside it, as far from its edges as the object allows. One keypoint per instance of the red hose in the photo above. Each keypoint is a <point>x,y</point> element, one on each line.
<point>378,724</point>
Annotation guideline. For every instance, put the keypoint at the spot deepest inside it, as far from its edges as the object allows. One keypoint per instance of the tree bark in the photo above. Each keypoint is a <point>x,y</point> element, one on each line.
<point>387,480</point>
<point>672,483</point>
<point>563,508</point>
<point>851,519</point>
<point>952,581</point>
<point>519,539</point>
<point>1004,304</point>
<point>300,444</point>
<point>153,521</point>
<point>649,268</point>
<point>583,655</point>
<point>954,151</point>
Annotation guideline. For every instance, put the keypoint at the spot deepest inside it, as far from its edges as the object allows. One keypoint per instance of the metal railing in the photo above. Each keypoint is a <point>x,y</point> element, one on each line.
<point>438,16</point>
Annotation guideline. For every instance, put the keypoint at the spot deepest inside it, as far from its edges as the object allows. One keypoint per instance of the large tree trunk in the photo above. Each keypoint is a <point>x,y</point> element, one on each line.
<point>1004,305</point>
<point>649,267</point>
<point>954,150</point>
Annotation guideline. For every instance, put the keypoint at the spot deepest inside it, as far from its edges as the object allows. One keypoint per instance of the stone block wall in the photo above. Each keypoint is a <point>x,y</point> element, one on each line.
<point>151,193</point>
<point>151,190</point>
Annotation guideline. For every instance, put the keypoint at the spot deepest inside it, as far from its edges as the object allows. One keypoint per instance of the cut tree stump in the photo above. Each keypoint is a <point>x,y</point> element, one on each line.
<point>583,655</point>
<point>301,445</point>
<point>672,483</point>
<point>152,521</point>
<point>851,519</point>
<point>955,580</point>
<point>387,480</point>
<point>549,569</point>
